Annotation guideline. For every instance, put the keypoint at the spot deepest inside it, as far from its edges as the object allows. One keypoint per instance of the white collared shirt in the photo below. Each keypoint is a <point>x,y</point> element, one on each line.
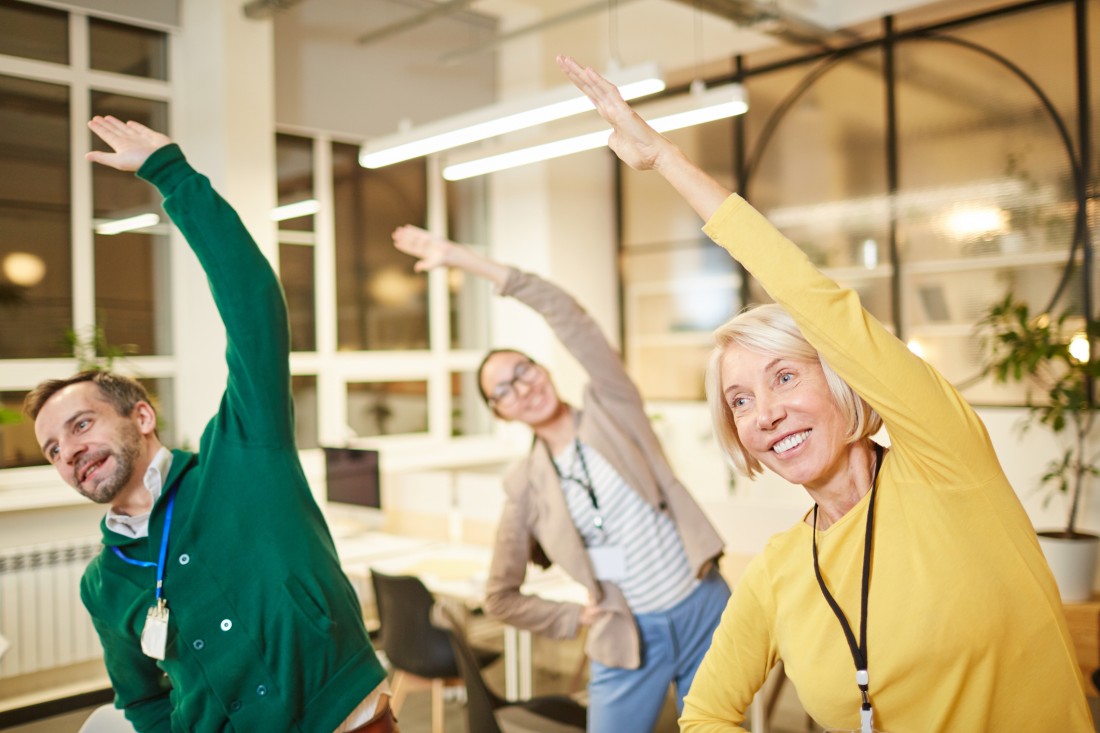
<point>138,526</point>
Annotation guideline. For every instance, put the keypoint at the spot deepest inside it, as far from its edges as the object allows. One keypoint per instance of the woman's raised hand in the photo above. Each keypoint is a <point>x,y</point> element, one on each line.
<point>632,139</point>
<point>132,142</point>
<point>429,250</point>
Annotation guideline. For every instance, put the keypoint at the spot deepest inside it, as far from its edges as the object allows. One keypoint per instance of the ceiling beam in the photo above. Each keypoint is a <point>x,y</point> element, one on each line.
<point>443,9</point>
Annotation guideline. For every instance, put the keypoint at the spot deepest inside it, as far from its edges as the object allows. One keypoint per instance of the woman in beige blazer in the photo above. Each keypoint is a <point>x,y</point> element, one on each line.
<point>597,495</point>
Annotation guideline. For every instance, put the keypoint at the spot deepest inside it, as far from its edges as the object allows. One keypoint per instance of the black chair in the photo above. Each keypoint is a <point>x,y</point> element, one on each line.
<point>420,654</point>
<point>487,712</point>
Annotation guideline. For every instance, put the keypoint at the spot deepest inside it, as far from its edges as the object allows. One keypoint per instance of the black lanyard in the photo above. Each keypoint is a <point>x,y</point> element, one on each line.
<point>585,483</point>
<point>859,651</point>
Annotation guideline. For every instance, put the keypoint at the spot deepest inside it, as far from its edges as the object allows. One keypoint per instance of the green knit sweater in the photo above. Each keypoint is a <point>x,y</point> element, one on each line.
<point>265,632</point>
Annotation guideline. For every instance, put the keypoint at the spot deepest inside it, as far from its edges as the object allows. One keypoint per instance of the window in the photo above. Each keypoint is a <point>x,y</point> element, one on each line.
<point>132,289</point>
<point>383,304</point>
<point>32,32</point>
<point>65,285</point>
<point>368,362</point>
<point>297,209</point>
<point>36,302</point>
<point>677,286</point>
<point>972,197</point>
<point>124,49</point>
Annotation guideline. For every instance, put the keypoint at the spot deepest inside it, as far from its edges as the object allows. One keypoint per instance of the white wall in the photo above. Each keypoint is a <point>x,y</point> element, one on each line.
<point>328,81</point>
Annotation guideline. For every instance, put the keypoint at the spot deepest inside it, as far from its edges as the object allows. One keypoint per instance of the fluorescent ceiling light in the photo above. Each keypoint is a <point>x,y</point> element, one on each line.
<point>129,224</point>
<point>502,118</point>
<point>665,115</point>
<point>296,209</point>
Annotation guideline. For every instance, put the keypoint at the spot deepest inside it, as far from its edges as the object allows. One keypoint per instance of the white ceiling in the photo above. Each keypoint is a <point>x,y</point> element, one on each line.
<point>455,61</point>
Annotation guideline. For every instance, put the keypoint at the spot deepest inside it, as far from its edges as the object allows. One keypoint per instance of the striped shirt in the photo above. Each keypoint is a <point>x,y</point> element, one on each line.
<point>658,574</point>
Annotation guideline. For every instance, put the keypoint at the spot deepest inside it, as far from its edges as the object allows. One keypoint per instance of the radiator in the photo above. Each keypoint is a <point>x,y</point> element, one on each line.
<point>41,615</point>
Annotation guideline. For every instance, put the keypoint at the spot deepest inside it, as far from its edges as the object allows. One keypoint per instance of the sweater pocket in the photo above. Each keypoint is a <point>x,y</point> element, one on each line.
<point>310,608</point>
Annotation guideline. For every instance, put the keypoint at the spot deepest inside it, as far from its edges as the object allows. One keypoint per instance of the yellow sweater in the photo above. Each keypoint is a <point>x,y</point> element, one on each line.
<point>965,628</point>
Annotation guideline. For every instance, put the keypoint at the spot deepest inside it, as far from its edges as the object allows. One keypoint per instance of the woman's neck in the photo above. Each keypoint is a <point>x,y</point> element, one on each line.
<point>558,431</point>
<point>850,484</point>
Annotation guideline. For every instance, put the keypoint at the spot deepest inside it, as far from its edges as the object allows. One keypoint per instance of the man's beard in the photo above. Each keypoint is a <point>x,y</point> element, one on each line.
<point>105,489</point>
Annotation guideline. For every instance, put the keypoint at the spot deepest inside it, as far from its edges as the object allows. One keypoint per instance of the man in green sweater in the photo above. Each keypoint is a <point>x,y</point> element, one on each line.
<point>218,597</point>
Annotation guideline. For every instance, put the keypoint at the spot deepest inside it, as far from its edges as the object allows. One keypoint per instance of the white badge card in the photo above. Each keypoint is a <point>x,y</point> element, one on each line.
<point>154,637</point>
<point>609,562</point>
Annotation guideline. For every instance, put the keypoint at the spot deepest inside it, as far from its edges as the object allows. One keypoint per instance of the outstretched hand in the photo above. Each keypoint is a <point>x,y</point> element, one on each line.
<point>132,142</point>
<point>632,139</point>
<point>430,250</point>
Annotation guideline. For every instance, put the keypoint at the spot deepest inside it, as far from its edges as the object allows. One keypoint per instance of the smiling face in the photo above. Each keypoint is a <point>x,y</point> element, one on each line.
<point>519,389</point>
<point>785,414</point>
<point>94,448</point>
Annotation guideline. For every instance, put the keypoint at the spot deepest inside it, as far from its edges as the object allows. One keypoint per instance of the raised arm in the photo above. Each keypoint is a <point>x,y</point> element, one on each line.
<point>906,391</point>
<point>256,407</point>
<point>570,322</point>
<point>431,251</point>
<point>643,148</point>
<point>131,143</point>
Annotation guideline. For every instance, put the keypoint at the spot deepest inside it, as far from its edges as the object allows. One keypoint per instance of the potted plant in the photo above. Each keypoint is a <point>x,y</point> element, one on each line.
<point>1050,356</point>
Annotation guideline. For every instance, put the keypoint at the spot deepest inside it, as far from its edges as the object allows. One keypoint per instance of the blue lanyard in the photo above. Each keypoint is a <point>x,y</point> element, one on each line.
<point>159,564</point>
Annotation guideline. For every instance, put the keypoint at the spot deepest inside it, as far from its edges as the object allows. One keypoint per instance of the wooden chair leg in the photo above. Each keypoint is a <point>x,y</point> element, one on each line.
<point>437,705</point>
<point>399,690</point>
<point>576,681</point>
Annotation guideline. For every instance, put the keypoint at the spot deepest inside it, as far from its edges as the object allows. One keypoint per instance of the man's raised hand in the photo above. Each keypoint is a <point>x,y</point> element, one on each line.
<point>132,142</point>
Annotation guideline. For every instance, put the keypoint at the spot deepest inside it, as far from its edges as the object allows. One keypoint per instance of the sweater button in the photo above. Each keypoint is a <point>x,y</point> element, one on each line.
<point>198,644</point>
<point>235,706</point>
<point>226,624</point>
<point>185,558</point>
<point>261,690</point>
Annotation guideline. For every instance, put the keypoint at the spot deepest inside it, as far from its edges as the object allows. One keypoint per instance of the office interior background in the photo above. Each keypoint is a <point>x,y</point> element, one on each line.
<point>921,153</point>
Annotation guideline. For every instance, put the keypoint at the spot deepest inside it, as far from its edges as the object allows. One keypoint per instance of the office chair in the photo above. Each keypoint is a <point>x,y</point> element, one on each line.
<point>488,713</point>
<point>420,654</point>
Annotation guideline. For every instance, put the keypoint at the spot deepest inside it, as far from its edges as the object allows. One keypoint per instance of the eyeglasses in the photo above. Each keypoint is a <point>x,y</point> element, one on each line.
<point>504,394</point>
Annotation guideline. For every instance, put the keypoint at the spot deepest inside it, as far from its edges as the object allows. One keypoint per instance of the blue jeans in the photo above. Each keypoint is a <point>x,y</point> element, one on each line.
<point>673,644</point>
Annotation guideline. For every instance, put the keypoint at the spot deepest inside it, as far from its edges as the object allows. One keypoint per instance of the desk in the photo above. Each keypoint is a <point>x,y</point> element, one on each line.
<point>1083,620</point>
<point>461,572</point>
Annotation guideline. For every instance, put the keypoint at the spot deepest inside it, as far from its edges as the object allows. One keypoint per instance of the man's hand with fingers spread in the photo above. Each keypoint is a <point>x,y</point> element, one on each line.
<point>132,143</point>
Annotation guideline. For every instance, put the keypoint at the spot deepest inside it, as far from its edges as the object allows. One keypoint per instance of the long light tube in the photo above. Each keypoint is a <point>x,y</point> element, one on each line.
<point>129,224</point>
<point>296,209</point>
<point>502,118</point>
<point>713,104</point>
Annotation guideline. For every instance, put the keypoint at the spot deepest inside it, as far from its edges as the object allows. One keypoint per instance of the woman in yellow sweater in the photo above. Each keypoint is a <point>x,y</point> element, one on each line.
<point>914,596</point>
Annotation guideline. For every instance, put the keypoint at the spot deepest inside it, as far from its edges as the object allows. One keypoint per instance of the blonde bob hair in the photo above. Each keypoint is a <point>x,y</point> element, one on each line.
<point>768,329</point>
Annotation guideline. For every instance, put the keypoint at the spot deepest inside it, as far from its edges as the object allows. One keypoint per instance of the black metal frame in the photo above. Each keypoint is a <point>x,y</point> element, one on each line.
<point>823,61</point>
<point>890,38</point>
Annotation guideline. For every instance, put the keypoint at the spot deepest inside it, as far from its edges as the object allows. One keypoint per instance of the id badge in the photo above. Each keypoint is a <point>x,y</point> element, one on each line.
<point>609,562</point>
<point>154,637</point>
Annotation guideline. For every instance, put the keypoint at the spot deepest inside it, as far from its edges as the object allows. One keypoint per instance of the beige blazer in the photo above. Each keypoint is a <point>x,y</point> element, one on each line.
<point>613,422</point>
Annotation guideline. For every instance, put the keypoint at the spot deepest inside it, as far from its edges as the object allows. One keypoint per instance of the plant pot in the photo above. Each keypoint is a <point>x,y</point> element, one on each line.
<point>1073,562</point>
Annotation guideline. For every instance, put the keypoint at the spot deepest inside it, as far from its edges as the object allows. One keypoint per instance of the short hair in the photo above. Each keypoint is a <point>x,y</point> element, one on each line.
<point>769,329</point>
<point>122,393</point>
